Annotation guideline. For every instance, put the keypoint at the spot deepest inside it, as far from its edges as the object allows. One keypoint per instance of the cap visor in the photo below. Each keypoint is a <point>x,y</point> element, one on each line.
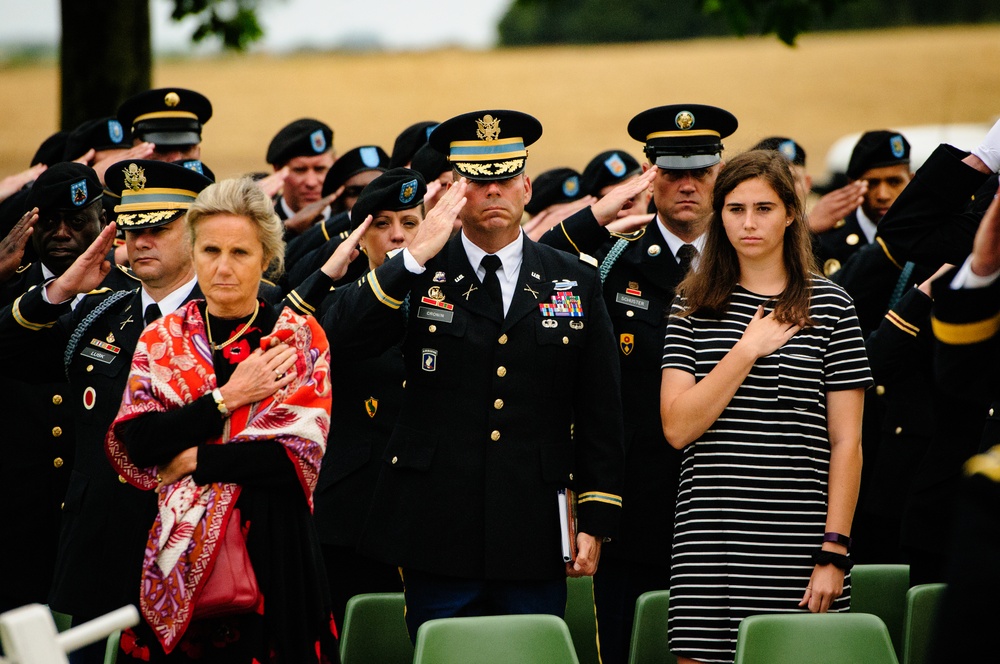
<point>675,162</point>
<point>170,137</point>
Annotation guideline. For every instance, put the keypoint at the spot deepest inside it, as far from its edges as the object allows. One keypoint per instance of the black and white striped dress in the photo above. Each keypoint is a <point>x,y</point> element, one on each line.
<point>751,508</point>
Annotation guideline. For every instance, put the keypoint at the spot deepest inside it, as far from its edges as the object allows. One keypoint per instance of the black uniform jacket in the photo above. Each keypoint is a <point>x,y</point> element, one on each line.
<point>835,247</point>
<point>638,292</point>
<point>498,415</point>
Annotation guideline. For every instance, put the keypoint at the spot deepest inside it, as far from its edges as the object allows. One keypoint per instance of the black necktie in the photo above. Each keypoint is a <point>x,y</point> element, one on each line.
<point>151,314</point>
<point>685,255</point>
<point>491,282</point>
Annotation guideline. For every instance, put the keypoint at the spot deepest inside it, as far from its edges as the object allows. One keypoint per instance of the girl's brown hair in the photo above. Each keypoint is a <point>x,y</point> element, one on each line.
<point>709,289</point>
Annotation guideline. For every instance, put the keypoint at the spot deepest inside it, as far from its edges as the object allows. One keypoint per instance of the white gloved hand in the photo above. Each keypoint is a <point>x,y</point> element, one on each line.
<point>989,149</point>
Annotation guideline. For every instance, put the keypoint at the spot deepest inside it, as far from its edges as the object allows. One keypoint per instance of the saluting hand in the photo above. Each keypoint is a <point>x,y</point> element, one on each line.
<point>766,334</point>
<point>336,265</point>
<point>436,228</point>
<point>259,376</point>
<point>310,214</point>
<point>12,246</point>
<point>986,246</point>
<point>620,198</point>
<point>274,182</point>
<point>87,271</point>
<point>836,205</point>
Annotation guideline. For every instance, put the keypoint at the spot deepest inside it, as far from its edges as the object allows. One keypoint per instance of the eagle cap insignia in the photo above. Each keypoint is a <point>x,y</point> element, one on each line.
<point>488,128</point>
<point>172,99</point>
<point>684,120</point>
<point>135,177</point>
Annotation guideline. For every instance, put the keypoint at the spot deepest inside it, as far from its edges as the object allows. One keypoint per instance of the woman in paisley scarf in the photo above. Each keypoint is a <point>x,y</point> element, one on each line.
<point>226,416</point>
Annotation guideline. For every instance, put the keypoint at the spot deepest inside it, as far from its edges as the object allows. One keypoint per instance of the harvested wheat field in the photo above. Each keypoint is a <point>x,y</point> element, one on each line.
<point>829,85</point>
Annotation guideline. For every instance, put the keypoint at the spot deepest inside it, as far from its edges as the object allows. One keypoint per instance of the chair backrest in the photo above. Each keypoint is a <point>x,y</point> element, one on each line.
<point>814,638</point>
<point>881,590</point>
<point>649,631</point>
<point>581,618</point>
<point>374,630</point>
<point>918,625</point>
<point>525,639</point>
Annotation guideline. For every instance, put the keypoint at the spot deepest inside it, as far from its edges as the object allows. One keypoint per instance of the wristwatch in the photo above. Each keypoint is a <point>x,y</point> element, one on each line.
<point>837,538</point>
<point>220,403</point>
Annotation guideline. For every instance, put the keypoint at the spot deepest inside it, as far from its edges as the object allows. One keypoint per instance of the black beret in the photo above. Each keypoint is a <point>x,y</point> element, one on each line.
<point>64,186</point>
<point>608,168</point>
<point>196,165</point>
<point>352,162</point>
<point>51,150</point>
<point>876,149</point>
<point>396,189</point>
<point>788,148</point>
<point>166,116</point>
<point>152,193</point>
<point>99,134</point>
<point>487,145</point>
<point>302,138</point>
<point>430,163</point>
<point>683,136</point>
<point>558,185</point>
<point>409,141</point>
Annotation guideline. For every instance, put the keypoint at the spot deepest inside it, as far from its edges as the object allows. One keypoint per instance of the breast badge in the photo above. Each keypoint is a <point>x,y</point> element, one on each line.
<point>626,342</point>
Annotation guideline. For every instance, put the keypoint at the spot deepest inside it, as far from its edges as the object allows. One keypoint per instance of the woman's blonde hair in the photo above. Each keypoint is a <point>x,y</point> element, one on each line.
<point>242,197</point>
<point>709,288</point>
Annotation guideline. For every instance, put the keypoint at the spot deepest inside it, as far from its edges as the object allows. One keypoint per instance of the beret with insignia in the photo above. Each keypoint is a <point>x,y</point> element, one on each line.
<point>354,161</point>
<point>64,186</point>
<point>683,136</point>
<point>558,185</point>
<point>302,138</point>
<point>487,145</point>
<point>100,134</point>
<point>409,141</point>
<point>166,116</point>
<point>788,148</point>
<point>876,149</point>
<point>608,168</point>
<point>396,189</point>
<point>152,193</point>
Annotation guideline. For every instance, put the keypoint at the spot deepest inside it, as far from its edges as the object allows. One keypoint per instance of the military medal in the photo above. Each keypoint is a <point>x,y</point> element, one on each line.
<point>562,285</point>
<point>633,289</point>
<point>563,303</point>
<point>549,322</point>
<point>435,298</point>
<point>110,338</point>
<point>576,324</point>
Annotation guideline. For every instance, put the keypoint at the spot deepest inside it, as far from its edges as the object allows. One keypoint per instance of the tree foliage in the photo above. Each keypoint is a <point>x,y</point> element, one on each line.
<point>602,21</point>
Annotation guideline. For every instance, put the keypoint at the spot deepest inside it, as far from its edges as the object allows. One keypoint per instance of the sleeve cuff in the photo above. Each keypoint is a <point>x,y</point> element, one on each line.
<point>966,278</point>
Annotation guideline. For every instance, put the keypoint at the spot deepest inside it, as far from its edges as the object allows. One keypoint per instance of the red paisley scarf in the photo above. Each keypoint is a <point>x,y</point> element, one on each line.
<point>172,366</point>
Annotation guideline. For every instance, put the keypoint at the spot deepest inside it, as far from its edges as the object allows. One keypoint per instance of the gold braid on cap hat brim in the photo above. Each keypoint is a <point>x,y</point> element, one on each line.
<point>510,166</point>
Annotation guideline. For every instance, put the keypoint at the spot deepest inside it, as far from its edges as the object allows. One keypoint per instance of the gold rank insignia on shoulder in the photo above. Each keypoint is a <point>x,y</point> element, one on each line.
<point>488,128</point>
<point>135,177</point>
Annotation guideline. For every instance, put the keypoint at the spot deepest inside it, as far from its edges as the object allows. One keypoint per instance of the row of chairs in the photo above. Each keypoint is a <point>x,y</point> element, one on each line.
<point>884,608</point>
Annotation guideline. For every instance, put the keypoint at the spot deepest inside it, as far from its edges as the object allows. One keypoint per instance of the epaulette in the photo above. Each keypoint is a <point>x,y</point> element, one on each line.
<point>98,291</point>
<point>629,237</point>
<point>127,271</point>
<point>588,259</point>
<point>22,268</point>
<point>986,464</point>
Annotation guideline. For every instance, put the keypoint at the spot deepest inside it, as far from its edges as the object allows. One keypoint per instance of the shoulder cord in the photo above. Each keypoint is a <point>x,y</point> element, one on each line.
<point>609,260</point>
<point>902,285</point>
<point>85,324</point>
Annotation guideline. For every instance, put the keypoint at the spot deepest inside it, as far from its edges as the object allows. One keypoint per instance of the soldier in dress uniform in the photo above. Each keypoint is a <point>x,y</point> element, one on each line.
<point>511,393</point>
<point>555,195</point>
<point>409,141</point>
<point>882,159</point>
<point>38,446</point>
<point>169,118</point>
<point>305,148</point>
<point>683,145</point>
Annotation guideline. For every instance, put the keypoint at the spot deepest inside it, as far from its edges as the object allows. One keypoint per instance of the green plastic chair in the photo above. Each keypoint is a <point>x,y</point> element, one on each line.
<point>649,630</point>
<point>374,630</point>
<point>581,618</point>
<point>525,639</point>
<point>918,625</point>
<point>814,638</point>
<point>881,590</point>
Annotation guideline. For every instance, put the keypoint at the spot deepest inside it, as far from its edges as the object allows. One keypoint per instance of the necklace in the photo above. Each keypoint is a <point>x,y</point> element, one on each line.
<point>246,326</point>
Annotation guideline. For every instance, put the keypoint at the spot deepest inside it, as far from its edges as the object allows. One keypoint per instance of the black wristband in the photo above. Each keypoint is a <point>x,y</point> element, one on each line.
<point>838,560</point>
